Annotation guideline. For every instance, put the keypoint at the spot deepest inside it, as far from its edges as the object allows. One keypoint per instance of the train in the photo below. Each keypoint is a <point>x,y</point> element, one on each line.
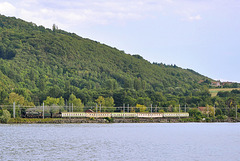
<point>36,114</point>
<point>123,115</point>
<point>90,113</point>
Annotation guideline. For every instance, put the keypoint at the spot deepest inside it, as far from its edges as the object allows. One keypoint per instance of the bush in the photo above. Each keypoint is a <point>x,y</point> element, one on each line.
<point>220,117</point>
<point>208,119</point>
<point>6,116</point>
<point>109,119</point>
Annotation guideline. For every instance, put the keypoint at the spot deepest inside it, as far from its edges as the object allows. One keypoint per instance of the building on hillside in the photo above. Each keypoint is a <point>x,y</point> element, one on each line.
<point>89,111</point>
<point>216,83</point>
<point>204,110</point>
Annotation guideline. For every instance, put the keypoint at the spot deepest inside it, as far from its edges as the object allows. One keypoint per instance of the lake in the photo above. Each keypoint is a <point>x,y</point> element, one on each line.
<point>146,141</point>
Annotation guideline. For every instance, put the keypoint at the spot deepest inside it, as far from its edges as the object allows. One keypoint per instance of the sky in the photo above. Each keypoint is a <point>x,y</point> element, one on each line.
<point>203,35</point>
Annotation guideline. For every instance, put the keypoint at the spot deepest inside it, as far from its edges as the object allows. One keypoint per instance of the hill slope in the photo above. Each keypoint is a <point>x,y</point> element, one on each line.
<point>57,63</point>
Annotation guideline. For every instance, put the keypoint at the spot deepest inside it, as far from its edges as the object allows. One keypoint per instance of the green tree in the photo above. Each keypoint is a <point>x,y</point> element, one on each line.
<point>18,99</point>
<point>219,112</point>
<point>54,101</point>
<point>3,96</point>
<point>141,108</point>
<point>42,83</point>
<point>194,112</point>
<point>5,116</point>
<point>129,100</point>
<point>77,103</point>
<point>109,102</point>
<point>144,101</point>
<point>111,84</point>
<point>55,91</point>
<point>100,101</point>
<point>137,84</point>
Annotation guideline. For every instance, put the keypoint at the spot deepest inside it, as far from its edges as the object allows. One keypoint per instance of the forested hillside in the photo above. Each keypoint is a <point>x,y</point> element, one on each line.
<point>36,62</point>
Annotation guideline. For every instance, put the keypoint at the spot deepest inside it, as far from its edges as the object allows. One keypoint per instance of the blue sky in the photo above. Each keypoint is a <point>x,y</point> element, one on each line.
<point>203,35</point>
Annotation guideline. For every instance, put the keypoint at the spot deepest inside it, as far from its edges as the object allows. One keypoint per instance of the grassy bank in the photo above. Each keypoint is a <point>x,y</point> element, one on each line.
<point>215,91</point>
<point>33,120</point>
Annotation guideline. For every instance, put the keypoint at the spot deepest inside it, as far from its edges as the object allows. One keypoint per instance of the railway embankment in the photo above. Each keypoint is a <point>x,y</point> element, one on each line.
<point>109,120</point>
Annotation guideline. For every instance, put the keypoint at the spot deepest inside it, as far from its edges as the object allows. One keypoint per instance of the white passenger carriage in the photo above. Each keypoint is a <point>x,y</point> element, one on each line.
<point>123,115</point>
<point>73,114</point>
<point>105,114</point>
<point>131,114</point>
<point>175,114</point>
<point>150,115</point>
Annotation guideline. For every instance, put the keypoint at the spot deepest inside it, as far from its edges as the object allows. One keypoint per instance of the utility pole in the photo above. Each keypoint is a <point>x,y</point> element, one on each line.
<point>96,110</point>
<point>207,111</point>
<point>151,110</point>
<point>72,107</point>
<point>185,109</point>
<point>236,112</point>
<point>69,110</point>
<point>43,110</point>
<point>179,112</point>
<point>214,111</point>
<point>13,109</point>
<point>124,111</point>
<point>66,105</point>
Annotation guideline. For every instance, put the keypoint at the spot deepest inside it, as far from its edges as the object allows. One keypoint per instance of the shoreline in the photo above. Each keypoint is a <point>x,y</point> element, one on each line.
<point>112,120</point>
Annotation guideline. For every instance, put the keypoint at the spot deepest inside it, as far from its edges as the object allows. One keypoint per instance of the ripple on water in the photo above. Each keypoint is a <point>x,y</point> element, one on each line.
<point>189,141</point>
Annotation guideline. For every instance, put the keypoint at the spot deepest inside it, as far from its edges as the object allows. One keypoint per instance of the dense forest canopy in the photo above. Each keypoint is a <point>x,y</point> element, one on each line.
<point>39,64</point>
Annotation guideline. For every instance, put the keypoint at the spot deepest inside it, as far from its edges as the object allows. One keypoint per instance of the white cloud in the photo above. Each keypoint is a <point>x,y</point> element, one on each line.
<point>95,12</point>
<point>192,18</point>
<point>83,11</point>
<point>7,9</point>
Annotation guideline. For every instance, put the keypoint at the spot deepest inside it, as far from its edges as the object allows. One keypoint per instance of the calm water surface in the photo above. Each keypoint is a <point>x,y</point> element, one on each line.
<point>188,141</point>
